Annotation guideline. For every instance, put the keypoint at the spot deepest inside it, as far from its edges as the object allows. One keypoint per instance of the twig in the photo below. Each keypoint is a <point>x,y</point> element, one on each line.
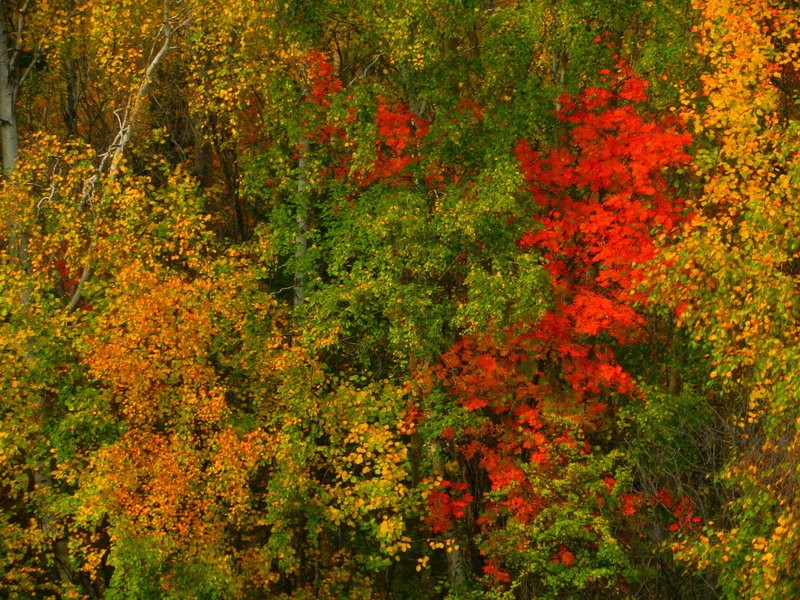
<point>366,70</point>
<point>117,147</point>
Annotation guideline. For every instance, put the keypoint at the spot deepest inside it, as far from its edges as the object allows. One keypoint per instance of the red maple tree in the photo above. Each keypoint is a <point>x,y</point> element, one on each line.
<point>541,388</point>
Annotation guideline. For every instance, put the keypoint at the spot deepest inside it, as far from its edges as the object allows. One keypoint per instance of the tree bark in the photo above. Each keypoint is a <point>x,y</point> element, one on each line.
<point>70,68</point>
<point>301,218</point>
<point>9,146</point>
<point>456,567</point>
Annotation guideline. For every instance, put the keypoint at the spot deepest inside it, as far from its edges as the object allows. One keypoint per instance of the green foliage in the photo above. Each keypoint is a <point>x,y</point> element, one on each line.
<point>398,300</point>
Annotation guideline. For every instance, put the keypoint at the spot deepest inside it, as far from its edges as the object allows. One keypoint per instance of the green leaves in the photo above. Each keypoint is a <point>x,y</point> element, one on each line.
<point>340,333</point>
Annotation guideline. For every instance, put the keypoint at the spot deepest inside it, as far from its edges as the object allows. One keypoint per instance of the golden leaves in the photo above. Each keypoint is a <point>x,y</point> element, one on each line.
<point>733,269</point>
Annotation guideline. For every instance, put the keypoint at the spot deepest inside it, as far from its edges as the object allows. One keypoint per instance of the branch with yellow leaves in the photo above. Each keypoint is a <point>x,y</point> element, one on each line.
<point>108,167</point>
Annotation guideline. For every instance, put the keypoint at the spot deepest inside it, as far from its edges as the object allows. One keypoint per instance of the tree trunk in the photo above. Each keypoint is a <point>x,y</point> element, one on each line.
<point>456,567</point>
<point>71,69</point>
<point>8,122</point>
<point>9,147</point>
<point>301,218</point>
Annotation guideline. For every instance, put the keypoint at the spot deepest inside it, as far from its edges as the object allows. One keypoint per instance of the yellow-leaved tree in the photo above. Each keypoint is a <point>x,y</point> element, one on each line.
<point>734,286</point>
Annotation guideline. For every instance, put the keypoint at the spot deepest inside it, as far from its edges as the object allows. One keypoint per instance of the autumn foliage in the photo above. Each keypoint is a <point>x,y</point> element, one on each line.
<point>425,300</point>
<point>544,390</point>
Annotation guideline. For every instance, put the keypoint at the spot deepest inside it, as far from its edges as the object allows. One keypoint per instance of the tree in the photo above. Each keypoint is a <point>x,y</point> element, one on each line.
<point>733,285</point>
<point>532,464</point>
<point>324,299</point>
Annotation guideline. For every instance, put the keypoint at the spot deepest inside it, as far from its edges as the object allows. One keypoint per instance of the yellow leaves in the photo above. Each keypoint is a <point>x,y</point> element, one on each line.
<point>731,262</point>
<point>119,36</point>
<point>390,535</point>
<point>422,563</point>
<point>368,487</point>
<point>335,515</point>
<point>759,543</point>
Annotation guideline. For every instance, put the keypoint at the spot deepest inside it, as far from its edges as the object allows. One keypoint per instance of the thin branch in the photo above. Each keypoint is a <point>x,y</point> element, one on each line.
<point>76,296</point>
<point>131,117</point>
<point>15,52</point>
<point>116,149</point>
<point>28,69</point>
<point>46,199</point>
<point>366,70</point>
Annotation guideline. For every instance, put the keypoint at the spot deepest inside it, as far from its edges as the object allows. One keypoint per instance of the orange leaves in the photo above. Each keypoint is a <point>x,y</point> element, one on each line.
<point>185,359</point>
<point>592,313</point>
<point>746,216</point>
<point>729,280</point>
<point>154,344</point>
<point>482,374</point>
<point>153,480</point>
<point>178,494</point>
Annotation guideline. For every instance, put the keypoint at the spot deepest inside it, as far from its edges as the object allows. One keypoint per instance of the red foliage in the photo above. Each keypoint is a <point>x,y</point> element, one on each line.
<point>630,504</point>
<point>564,557</point>
<point>492,568</point>
<point>472,107</point>
<point>322,82</point>
<point>399,135</point>
<point>446,505</point>
<point>515,437</point>
<point>682,509</point>
<point>602,196</point>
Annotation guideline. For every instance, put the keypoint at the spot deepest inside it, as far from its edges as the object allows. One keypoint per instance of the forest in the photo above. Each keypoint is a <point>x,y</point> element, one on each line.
<point>400,299</point>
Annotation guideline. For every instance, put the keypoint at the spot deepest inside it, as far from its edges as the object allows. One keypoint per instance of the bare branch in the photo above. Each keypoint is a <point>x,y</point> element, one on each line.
<point>76,296</point>
<point>28,69</point>
<point>366,70</point>
<point>46,199</point>
<point>110,159</point>
<point>14,55</point>
<point>132,116</point>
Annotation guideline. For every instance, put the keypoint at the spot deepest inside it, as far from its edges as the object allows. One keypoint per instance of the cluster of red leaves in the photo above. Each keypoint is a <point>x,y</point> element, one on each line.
<point>564,556</point>
<point>321,79</point>
<point>515,436</point>
<point>602,195</point>
<point>396,147</point>
<point>681,508</point>
<point>399,130</point>
<point>447,504</point>
<point>492,568</point>
<point>630,502</point>
<point>322,86</point>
